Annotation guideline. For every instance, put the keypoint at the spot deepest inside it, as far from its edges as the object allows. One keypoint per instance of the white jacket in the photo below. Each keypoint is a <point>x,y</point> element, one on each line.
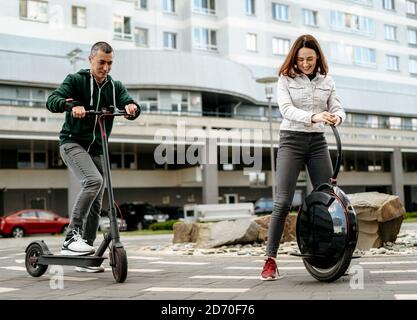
<point>300,98</point>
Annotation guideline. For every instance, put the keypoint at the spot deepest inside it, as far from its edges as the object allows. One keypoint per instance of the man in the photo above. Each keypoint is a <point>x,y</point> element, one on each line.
<point>80,142</point>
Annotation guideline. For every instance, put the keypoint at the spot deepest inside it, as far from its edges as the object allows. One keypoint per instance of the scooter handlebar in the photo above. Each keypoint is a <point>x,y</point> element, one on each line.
<point>110,111</point>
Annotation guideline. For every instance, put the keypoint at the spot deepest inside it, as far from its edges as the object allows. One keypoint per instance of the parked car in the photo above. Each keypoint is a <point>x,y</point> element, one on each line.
<point>31,221</point>
<point>140,215</point>
<point>265,205</point>
<point>104,222</point>
<point>174,213</point>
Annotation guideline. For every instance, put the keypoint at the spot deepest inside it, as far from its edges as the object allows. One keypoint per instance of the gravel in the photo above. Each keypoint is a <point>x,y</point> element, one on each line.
<point>406,244</point>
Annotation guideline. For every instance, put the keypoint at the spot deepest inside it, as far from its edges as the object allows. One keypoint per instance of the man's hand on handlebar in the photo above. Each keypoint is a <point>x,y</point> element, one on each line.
<point>78,112</point>
<point>130,110</point>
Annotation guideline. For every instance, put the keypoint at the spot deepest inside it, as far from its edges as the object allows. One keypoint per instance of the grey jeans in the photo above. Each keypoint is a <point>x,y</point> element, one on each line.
<point>296,150</point>
<point>87,207</point>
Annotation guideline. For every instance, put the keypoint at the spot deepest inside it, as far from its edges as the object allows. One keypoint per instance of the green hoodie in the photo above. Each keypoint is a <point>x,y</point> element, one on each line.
<point>86,131</point>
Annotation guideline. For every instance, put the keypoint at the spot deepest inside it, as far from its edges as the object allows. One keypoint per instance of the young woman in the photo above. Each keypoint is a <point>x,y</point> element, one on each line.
<point>307,101</point>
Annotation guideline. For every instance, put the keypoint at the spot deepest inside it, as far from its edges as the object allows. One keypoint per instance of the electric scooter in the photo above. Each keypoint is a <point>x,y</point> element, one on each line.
<point>327,228</point>
<point>38,257</point>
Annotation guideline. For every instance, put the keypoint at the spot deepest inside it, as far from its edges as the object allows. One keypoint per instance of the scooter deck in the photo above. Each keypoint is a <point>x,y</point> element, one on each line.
<point>81,261</point>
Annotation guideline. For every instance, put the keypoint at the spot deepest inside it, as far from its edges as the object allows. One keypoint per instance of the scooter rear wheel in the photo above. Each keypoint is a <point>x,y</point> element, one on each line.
<point>330,273</point>
<point>31,260</point>
<point>119,264</point>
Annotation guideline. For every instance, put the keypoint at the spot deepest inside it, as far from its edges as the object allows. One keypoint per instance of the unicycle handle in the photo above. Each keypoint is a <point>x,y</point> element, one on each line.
<point>339,155</point>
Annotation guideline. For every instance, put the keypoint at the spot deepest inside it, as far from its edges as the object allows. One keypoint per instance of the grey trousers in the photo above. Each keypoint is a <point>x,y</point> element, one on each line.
<point>88,169</point>
<point>296,150</point>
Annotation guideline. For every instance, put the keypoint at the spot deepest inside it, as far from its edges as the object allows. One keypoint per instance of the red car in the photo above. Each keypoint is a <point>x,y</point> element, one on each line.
<point>31,221</point>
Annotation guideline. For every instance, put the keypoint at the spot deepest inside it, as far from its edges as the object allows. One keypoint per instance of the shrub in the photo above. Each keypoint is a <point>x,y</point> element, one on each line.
<point>165,225</point>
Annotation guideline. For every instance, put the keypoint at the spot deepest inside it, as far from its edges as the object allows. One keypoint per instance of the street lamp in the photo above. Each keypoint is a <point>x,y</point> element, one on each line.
<point>73,56</point>
<point>269,83</point>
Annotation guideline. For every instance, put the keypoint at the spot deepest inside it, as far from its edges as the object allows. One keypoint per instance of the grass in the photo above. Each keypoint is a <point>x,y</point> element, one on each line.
<point>410,217</point>
<point>143,232</point>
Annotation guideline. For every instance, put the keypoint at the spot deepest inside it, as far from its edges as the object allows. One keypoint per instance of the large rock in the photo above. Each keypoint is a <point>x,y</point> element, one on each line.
<point>289,233</point>
<point>221,233</point>
<point>379,217</point>
<point>216,234</point>
<point>185,232</point>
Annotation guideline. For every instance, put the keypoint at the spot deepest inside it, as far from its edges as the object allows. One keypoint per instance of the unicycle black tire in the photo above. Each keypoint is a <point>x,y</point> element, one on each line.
<point>332,273</point>
<point>32,267</point>
<point>119,264</point>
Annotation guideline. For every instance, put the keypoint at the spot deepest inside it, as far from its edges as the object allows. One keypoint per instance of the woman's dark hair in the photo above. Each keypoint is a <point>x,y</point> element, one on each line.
<point>289,67</point>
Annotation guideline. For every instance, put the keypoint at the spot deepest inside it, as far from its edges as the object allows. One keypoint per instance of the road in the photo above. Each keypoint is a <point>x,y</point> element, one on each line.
<point>169,276</point>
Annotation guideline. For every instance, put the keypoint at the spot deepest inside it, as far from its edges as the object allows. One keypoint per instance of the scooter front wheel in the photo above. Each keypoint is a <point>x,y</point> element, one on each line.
<point>329,272</point>
<point>119,264</point>
<point>33,252</point>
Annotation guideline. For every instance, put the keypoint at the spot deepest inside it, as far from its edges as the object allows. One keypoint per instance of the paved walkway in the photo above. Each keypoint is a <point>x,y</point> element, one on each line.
<point>171,276</point>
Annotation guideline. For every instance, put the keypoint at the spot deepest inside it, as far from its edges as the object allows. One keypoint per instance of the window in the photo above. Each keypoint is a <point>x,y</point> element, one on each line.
<point>149,100</point>
<point>38,203</point>
<point>310,17</point>
<point>179,102</point>
<point>123,160</point>
<point>23,160</point>
<point>168,5</point>
<point>393,63</point>
<point>35,10</point>
<point>141,37</point>
<point>250,7</point>
<point>257,179</point>
<point>341,53</point>
<point>280,12</point>
<point>388,4</point>
<point>30,160</point>
<point>205,39</point>
<point>411,7</point>
<point>412,36</point>
<point>29,214</point>
<point>45,215</point>
<point>251,42</point>
<point>122,28</point>
<point>390,32</point>
<point>351,23</point>
<point>205,6</point>
<point>365,2</point>
<point>142,4</point>
<point>394,122</point>
<point>280,46</point>
<point>364,56</point>
<point>170,40</point>
<point>79,17</point>
<point>412,64</point>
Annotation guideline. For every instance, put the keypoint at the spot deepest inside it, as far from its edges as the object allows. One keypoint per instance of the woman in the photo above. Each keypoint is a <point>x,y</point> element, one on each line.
<point>307,101</point>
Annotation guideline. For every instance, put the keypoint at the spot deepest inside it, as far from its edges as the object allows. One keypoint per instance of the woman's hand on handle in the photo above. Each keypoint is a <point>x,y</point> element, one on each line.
<point>324,116</point>
<point>336,120</point>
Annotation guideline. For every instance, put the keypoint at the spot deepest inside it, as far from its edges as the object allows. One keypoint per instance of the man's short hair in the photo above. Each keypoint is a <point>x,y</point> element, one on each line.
<point>103,46</point>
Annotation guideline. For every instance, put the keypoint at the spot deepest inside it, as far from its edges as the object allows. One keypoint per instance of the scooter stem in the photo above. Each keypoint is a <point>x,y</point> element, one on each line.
<point>114,230</point>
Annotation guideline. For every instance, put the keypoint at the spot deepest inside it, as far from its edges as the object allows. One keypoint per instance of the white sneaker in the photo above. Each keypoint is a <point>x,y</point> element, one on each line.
<point>76,246</point>
<point>90,269</point>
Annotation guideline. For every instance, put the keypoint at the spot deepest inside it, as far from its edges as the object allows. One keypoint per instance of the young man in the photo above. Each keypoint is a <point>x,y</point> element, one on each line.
<point>80,142</point>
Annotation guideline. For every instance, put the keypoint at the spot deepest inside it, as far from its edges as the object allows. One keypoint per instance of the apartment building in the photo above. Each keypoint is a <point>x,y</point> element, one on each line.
<point>193,65</point>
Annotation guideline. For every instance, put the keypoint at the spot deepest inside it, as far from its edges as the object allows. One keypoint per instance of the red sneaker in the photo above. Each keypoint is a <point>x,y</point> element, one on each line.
<point>270,271</point>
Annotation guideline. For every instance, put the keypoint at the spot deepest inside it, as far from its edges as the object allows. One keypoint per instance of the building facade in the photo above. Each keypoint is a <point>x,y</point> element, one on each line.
<point>193,65</point>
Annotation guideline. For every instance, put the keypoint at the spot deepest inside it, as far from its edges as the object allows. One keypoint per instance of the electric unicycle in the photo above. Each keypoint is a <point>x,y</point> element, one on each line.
<point>327,228</point>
